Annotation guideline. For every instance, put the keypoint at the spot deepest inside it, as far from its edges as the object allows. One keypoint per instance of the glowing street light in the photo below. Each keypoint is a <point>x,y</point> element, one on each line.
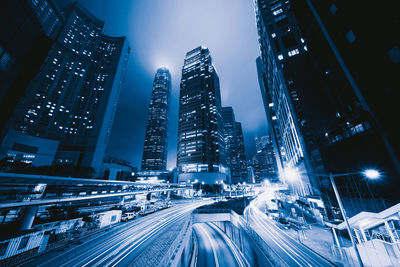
<point>291,175</point>
<point>371,174</point>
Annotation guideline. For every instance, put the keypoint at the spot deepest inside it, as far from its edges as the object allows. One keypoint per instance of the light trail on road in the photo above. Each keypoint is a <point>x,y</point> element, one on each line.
<point>215,249</point>
<point>121,244</point>
<point>289,250</point>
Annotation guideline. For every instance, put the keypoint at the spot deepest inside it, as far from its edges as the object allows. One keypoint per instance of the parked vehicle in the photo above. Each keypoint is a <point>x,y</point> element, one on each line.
<point>147,211</point>
<point>128,216</point>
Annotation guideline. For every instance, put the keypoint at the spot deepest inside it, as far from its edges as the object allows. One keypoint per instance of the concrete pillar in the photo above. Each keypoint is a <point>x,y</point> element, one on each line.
<point>168,194</point>
<point>28,217</point>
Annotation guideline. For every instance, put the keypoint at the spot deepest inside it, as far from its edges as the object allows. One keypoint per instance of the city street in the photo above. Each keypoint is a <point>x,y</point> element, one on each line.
<point>215,248</point>
<point>119,245</point>
<point>288,249</point>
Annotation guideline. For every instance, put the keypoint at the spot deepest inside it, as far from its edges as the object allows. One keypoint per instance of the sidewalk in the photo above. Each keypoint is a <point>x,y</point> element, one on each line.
<point>318,239</point>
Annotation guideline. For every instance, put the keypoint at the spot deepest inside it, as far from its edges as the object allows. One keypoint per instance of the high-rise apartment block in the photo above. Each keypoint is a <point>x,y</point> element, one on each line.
<point>27,31</point>
<point>320,94</point>
<point>241,152</point>
<point>283,88</point>
<point>156,140</point>
<point>72,100</point>
<point>234,145</point>
<point>266,159</point>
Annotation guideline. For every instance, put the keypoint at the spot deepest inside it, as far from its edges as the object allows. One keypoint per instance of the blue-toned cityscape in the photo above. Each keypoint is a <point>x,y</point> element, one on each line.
<point>199,133</point>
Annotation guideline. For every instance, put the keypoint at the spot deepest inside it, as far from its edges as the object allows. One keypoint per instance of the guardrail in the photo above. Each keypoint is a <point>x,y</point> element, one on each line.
<point>207,211</point>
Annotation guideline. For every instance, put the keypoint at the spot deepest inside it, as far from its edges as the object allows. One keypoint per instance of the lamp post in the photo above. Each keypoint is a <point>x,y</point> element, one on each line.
<point>369,173</point>
<point>332,180</point>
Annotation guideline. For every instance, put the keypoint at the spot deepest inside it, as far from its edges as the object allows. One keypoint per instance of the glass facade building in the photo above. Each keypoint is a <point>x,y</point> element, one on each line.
<point>231,144</point>
<point>28,28</point>
<point>200,127</point>
<point>281,45</point>
<point>241,152</point>
<point>321,98</point>
<point>156,140</point>
<point>266,159</point>
<point>74,96</point>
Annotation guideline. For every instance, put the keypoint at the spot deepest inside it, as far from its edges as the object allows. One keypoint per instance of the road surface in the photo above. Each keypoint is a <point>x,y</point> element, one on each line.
<point>215,249</point>
<point>121,244</point>
<point>288,249</point>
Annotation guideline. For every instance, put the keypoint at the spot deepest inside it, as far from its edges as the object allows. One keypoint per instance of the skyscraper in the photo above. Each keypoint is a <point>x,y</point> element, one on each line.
<point>200,127</point>
<point>156,140</point>
<point>231,144</point>
<point>283,88</point>
<point>266,158</point>
<point>340,35</point>
<point>73,98</point>
<point>241,152</point>
<point>319,96</point>
<point>28,30</point>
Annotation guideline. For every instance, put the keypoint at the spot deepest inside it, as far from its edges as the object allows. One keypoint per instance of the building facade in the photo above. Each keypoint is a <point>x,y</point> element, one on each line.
<point>266,159</point>
<point>28,28</point>
<point>316,90</point>
<point>241,152</point>
<point>74,96</point>
<point>156,140</point>
<point>200,128</point>
<point>282,51</point>
<point>363,134</point>
<point>231,144</point>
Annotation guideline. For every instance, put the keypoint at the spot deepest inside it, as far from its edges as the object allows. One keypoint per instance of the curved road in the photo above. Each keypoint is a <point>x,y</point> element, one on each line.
<point>289,250</point>
<point>215,249</point>
<point>119,245</point>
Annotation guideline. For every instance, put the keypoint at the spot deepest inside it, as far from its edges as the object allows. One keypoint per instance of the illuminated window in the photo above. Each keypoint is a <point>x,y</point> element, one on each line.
<point>276,12</point>
<point>333,9</point>
<point>280,57</point>
<point>293,52</point>
<point>351,37</point>
<point>394,54</point>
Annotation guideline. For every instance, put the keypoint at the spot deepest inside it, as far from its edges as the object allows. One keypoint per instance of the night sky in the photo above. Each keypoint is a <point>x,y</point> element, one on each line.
<point>160,32</point>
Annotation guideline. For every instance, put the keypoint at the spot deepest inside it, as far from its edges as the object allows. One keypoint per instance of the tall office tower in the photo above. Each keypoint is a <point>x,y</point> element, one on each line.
<point>251,177</point>
<point>156,140</point>
<point>27,31</point>
<point>200,127</point>
<point>315,94</point>
<point>266,158</point>
<point>231,144</point>
<point>72,100</point>
<point>340,35</point>
<point>255,166</point>
<point>288,92</point>
<point>241,151</point>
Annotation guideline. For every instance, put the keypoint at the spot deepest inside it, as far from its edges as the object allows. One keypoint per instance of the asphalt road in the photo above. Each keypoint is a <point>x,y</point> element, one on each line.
<point>286,248</point>
<point>119,245</point>
<point>215,249</point>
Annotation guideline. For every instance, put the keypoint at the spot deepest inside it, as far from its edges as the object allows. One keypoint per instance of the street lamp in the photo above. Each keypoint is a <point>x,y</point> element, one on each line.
<point>292,175</point>
<point>371,174</point>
